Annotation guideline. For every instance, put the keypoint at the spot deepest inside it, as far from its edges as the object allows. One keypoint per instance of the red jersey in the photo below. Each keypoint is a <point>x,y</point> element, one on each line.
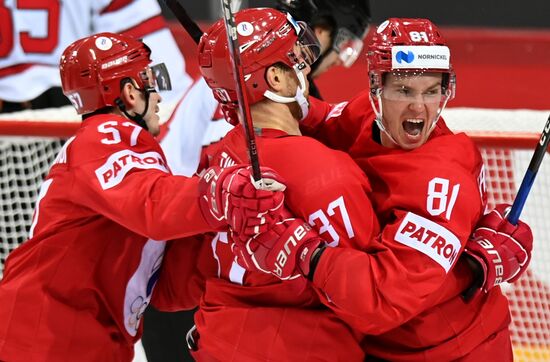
<point>76,290</point>
<point>428,200</point>
<point>247,316</point>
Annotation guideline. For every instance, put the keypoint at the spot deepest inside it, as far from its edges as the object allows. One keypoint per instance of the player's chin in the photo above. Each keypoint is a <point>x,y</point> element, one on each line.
<point>153,124</point>
<point>407,142</point>
<point>155,129</point>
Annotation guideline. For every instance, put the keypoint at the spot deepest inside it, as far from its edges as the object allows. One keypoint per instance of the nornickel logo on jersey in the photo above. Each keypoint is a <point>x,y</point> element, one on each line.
<point>429,238</point>
<point>112,172</point>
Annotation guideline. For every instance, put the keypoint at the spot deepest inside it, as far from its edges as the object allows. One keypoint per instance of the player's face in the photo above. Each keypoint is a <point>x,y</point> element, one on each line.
<point>331,58</point>
<point>328,61</point>
<point>151,117</point>
<point>409,107</point>
<point>293,83</point>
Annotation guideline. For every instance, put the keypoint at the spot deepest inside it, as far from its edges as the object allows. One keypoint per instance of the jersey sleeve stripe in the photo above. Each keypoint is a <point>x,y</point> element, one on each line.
<point>114,6</point>
<point>18,68</point>
<point>146,27</point>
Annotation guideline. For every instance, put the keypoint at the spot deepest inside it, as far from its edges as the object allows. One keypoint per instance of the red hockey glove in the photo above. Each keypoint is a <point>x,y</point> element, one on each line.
<point>502,249</point>
<point>227,197</point>
<point>285,250</point>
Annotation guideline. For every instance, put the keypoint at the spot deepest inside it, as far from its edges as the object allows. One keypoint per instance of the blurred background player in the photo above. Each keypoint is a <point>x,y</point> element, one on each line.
<point>77,289</point>
<point>340,27</point>
<point>34,35</point>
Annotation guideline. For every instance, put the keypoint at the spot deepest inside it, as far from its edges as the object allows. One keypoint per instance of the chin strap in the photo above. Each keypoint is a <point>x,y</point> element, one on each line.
<point>298,98</point>
<point>378,113</point>
<point>447,96</point>
<point>138,118</point>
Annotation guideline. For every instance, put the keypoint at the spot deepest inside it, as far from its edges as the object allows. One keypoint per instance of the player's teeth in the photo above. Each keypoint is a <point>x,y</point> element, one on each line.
<point>413,126</point>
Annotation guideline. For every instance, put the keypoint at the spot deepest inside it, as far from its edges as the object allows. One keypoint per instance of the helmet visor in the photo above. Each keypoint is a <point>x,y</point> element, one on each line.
<point>309,48</point>
<point>348,46</point>
<point>156,78</point>
<point>419,87</point>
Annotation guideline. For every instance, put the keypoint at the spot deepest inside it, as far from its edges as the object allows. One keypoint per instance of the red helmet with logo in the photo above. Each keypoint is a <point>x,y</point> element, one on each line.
<point>92,68</point>
<point>409,46</point>
<point>266,37</point>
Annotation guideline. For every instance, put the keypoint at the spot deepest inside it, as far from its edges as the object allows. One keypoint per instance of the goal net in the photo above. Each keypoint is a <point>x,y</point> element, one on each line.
<point>506,139</point>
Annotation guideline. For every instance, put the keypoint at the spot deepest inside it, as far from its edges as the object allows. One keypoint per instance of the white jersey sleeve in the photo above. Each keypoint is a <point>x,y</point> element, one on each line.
<point>192,126</point>
<point>38,34</point>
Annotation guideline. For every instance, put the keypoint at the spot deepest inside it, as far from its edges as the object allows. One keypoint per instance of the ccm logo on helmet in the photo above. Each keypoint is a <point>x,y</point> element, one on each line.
<point>112,172</point>
<point>429,238</point>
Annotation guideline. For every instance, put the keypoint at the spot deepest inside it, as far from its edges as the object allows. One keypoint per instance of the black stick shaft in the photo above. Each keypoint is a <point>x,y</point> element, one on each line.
<point>184,19</point>
<point>244,109</point>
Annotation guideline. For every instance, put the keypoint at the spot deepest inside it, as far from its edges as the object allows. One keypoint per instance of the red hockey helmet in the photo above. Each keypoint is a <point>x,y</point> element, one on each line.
<point>409,46</point>
<point>91,70</point>
<point>266,37</point>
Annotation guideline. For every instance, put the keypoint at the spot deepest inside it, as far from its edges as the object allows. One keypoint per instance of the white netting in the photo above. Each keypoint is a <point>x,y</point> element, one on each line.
<point>530,296</point>
<point>24,162</point>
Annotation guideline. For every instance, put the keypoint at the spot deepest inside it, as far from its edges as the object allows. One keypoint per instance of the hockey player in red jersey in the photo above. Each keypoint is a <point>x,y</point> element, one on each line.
<point>250,316</point>
<point>76,290</point>
<point>429,193</point>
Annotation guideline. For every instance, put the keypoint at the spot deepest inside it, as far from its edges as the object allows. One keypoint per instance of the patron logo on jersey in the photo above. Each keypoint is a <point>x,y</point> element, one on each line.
<point>429,238</point>
<point>420,56</point>
<point>112,172</point>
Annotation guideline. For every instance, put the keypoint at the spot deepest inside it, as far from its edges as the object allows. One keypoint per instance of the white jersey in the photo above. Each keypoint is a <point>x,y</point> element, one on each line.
<point>35,33</point>
<point>193,124</point>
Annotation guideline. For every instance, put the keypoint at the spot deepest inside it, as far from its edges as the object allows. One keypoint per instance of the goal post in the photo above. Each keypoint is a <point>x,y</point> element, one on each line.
<point>30,140</point>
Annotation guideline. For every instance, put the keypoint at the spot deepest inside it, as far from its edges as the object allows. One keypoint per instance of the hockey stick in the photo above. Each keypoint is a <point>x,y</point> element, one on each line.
<point>185,20</point>
<point>196,33</point>
<point>244,109</point>
<point>530,174</point>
